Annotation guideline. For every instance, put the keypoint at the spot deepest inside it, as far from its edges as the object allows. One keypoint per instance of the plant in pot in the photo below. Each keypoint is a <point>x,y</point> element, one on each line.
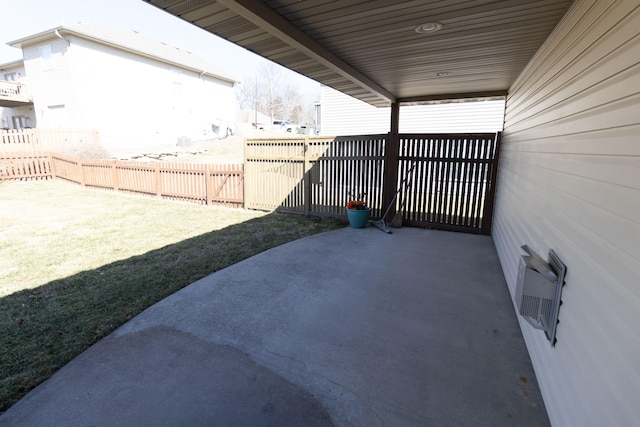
<point>358,212</point>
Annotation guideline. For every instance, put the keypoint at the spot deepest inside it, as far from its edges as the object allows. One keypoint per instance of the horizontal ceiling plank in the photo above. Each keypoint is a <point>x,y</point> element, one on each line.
<point>264,17</point>
<point>409,39</point>
<point>180,7</point>
<point>345,23</point>
<point>230,27</point>
<point>210,9</point>
<point>462,53</point>
<point>214,19</point>
<point>368,48</point>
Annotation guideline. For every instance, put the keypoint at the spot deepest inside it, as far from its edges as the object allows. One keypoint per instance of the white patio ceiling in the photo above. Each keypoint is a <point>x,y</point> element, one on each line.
<point>370,49</point>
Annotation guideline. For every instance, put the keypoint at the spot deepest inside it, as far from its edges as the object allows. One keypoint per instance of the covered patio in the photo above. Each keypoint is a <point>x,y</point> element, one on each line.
<point>352,327</point>
<point>414,328</point>
<point>569,163</point>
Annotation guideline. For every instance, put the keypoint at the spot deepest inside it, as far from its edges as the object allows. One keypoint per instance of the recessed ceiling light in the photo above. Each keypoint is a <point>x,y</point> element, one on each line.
<point>428,28</point>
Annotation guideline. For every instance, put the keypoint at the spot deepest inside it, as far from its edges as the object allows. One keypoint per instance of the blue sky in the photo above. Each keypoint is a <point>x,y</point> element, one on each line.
<point>22,18</point>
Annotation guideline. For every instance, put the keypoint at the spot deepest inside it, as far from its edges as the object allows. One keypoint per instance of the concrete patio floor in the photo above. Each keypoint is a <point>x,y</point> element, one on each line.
<point>352,327</point>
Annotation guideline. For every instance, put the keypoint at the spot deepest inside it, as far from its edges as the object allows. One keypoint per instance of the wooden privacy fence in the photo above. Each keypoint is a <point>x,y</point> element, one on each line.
<point>314,175</point>
<point>208,184</point>
<point>46,140</point>
<point>450,186</point>
<point>450,180</point>
<point>25,166</point>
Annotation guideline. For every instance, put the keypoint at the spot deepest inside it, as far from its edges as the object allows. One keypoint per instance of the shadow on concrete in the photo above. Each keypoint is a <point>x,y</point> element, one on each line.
<point>348,328</point>
<point>53,323</point>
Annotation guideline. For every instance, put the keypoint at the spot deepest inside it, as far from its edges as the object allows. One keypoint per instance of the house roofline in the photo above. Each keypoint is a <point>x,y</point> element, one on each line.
<point>17,62</point>
<point>57,32</point>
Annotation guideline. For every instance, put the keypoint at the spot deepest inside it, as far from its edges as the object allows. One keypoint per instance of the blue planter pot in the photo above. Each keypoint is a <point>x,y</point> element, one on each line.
<point>358,218</point>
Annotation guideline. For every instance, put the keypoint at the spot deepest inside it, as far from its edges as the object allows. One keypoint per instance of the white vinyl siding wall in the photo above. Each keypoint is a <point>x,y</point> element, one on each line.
<point>569,180</point>
<point>344,115</point>
<point>135,100</point>
<point>139,101</point>
<point>50,87</point>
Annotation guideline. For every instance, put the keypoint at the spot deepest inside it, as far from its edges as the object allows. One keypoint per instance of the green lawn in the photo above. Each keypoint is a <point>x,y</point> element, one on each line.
<point>76,263</point>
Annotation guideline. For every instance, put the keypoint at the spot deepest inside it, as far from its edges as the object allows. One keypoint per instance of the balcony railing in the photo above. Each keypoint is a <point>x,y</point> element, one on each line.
<point>14,94</point>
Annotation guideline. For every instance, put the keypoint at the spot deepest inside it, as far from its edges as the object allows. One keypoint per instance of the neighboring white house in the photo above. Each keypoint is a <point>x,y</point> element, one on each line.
<point>137,92</point>
<point>19,113</point>
<point>341,114</point>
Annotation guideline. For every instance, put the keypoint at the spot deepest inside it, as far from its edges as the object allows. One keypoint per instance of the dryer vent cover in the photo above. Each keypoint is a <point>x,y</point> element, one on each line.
<point>539,290</point>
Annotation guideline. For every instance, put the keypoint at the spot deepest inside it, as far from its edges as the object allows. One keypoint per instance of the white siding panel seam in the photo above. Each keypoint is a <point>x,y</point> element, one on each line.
<point>588,47</point>
<point>582,73</point>
<point>569,179</point>
<point>624,77</point>
<point>557,44</point>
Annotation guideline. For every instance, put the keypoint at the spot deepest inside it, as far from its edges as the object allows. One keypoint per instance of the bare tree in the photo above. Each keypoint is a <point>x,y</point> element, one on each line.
<point>296,114</point>
<point>269,93</point>
<point>247,93</point>
<point>292,101</point>
<point>271,83</point>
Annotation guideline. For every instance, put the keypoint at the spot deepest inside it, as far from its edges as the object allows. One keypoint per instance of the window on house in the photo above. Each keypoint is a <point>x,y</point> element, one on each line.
<point>45,55</point>
<point>11,77</point>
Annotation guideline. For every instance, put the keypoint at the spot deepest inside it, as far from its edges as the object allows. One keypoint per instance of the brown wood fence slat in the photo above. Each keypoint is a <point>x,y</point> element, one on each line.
<point>278,166</point>
<point>18,140</point>
<point>313,174</point>
<point>21,167</point>
<point>453,182</point>
<point>450,187</point>
<point>167,180</point>
<point>42,141</point>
